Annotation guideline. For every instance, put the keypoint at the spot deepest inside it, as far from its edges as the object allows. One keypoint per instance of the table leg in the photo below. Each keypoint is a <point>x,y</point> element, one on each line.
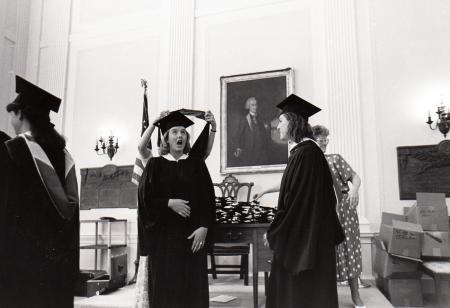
<point>255,268</point>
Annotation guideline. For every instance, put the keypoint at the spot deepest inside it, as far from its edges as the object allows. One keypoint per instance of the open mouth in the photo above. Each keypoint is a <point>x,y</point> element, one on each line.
<point>179,142</point>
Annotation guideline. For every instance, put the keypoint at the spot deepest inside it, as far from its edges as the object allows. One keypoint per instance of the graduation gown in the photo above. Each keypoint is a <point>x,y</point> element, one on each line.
<point>39,226</point>
<point>177,277</point>
<point>303,234</point>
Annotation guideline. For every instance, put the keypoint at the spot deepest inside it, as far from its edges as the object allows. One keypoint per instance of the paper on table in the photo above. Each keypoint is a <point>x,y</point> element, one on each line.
<point>222,298</point>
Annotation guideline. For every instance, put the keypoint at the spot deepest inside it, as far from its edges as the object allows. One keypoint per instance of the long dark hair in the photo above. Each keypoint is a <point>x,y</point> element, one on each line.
<point>298,127</point>
<point>42,129</point>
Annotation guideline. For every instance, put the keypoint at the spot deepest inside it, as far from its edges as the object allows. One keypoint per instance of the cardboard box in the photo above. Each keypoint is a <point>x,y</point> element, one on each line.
<point>436,244</point>
<point>388,266</point>
<point>402,238</point>
<point>404,292</point>
<point>387,218</point>
<point>430,211</point>
<point>429,285</point>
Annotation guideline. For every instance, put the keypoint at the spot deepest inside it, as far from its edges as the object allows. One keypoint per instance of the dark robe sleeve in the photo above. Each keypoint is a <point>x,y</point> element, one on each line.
<point>5,165</point>
<point>151,209</point>
<point>201,144</point>
<point>306,205</point>
<point>208,214</point>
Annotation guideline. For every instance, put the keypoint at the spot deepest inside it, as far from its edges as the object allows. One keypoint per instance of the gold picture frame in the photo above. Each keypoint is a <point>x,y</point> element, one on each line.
<point>249,117</point>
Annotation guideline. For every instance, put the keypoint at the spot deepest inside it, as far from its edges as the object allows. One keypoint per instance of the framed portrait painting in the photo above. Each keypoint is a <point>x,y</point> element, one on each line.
<point>249,118</point>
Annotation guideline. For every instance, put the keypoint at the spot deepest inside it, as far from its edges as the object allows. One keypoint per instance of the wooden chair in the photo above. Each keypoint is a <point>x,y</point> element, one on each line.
<point>230,187</point>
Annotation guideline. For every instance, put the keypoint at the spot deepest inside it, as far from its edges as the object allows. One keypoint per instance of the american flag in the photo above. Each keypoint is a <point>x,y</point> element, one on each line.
<point>139,164</point>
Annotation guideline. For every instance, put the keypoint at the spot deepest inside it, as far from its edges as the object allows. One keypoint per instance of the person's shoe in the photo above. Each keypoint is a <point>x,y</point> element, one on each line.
<point>360,306</point>
<point>362,284</point>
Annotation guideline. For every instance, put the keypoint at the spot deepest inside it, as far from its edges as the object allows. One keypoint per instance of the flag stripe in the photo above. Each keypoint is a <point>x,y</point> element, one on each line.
<point>138,164</point>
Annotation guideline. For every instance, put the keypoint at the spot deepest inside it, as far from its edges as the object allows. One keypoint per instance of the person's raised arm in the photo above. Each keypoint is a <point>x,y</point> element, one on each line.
<point>143,149</point>
<point>209,117</point>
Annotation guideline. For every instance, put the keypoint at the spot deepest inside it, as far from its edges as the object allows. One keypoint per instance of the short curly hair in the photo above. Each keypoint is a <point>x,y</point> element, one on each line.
<point>165,149</point>
<point>298,127</point>
<point>320,130</point>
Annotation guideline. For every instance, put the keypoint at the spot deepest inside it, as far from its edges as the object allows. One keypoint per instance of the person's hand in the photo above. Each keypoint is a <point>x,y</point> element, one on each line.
<point>198,236</point>
<point>209,117</point>
<point>161,115</point>
<point>180,207</point>
<point>258,195</point>
<point>265,241</point>
<point>353,197</point>
<point>238,152</point>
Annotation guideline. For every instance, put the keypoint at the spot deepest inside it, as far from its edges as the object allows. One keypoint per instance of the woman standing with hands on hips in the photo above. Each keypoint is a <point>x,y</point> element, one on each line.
<point>176,213</point>
<point>348,253</point>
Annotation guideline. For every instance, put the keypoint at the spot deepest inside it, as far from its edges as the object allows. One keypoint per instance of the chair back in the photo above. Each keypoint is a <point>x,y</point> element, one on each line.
<point>230,187</point>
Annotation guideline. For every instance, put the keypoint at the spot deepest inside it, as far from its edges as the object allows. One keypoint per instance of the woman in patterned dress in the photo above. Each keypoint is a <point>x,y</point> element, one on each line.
<point>348,253</point>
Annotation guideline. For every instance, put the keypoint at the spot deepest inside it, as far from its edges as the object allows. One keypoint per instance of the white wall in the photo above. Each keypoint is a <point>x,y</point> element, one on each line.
<point>14,24</point>
<point>411,71</point>
<point>112,46</point>
<point>256,37</point>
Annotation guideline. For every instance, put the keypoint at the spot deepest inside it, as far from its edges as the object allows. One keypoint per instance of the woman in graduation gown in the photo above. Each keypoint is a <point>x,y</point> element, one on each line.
<point>176,213</point>
<point>305,229</point>
<point>39,226</point>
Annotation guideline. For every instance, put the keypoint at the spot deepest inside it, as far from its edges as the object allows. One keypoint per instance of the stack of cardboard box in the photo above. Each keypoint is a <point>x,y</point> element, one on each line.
<point>404,242</point>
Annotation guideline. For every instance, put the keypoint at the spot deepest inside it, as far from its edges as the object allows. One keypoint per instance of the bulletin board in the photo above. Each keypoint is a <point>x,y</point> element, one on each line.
<point>107,187</point>
<point>423,168</point>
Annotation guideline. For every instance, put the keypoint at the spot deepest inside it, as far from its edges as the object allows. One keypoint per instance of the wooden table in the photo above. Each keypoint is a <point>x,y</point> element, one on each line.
<point>440,272</point>
<point>252,234</point>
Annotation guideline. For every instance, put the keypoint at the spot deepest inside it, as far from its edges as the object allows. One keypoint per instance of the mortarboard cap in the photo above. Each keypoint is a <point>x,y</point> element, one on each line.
<point>298,105</point>
<point>175,118</point>
<point>33,96</point>
<point>195,113</point>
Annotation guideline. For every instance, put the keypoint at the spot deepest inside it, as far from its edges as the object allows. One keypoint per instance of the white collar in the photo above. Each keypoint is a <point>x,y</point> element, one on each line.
<point>169,156</point>
<point>306,139</point>
<point>292,144</point>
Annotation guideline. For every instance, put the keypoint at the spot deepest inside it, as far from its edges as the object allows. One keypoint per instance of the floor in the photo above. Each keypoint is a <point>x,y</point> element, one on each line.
<point>232,286</point>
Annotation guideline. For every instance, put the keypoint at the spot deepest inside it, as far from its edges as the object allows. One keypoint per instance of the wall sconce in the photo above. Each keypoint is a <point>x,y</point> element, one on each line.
<point>443,120</point>
<point>110,149</point>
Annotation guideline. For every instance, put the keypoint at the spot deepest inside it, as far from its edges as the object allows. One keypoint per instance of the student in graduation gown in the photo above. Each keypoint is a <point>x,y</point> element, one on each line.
<point>3,137</point>
<point>175,215</point>
<point>39,226</point>
<point>305,229</point>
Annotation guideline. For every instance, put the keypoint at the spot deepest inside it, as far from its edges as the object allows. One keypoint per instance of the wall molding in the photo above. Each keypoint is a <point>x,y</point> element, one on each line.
<point>344,97</point>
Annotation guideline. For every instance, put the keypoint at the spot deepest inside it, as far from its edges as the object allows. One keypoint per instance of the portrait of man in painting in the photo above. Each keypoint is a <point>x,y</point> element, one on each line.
<point>250,141</point>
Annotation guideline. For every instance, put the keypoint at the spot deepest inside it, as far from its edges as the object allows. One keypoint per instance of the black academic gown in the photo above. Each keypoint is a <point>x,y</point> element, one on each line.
<point>177,277</point>
<point>39,253</point>
<point>303,234</point>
